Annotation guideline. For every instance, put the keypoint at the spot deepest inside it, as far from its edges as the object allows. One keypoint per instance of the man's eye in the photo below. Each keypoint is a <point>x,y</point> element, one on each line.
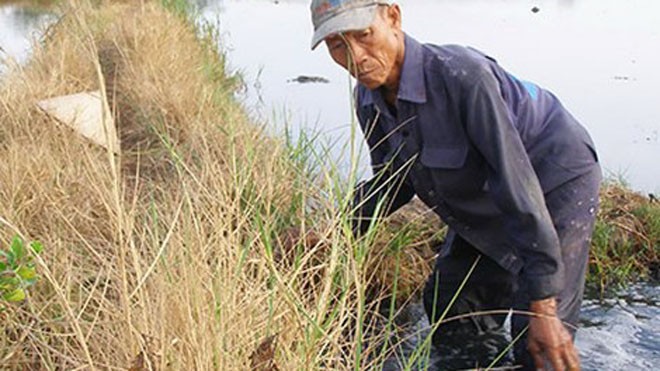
<point>365,33</point>
<point>337,45</point>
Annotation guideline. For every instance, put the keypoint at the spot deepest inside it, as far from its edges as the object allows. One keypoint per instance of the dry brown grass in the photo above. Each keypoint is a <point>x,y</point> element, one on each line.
<point>163,257</point>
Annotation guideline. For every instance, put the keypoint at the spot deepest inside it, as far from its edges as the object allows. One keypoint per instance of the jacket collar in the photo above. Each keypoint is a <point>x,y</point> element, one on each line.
<point>411,82</point>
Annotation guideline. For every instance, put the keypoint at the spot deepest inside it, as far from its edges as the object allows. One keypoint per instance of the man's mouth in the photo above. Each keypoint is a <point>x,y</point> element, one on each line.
<point>364,73</point>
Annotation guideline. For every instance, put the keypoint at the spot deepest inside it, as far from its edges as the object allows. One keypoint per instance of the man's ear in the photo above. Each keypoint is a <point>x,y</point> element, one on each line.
<point>394,16</point>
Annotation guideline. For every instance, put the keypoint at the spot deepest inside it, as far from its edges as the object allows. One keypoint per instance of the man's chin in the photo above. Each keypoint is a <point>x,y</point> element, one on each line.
<point>370,84</point>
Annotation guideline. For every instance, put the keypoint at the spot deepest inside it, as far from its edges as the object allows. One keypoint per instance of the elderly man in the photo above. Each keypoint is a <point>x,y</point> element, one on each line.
<point>500,160</point>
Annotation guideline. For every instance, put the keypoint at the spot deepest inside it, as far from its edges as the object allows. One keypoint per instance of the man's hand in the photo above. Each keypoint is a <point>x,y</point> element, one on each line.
<point>295,235</point>
<point>286,249</point>
<point>549,340</point>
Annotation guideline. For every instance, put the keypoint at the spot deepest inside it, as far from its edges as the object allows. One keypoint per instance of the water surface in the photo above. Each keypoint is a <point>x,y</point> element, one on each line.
<point>19,27</point>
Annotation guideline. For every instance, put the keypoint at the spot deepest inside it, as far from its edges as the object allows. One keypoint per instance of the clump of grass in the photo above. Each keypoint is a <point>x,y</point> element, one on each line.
<point>405,246</point>
<point>626,241</point>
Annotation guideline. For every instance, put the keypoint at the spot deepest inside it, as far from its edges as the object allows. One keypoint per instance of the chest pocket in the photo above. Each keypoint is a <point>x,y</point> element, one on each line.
<point>453,171</point>
<point>444,157</point>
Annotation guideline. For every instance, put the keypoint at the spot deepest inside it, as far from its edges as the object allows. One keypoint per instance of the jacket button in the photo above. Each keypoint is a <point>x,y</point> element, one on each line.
<point>431,194</point>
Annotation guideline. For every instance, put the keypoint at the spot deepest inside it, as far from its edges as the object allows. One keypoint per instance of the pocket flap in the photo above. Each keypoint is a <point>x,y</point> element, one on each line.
<point>444,157</point>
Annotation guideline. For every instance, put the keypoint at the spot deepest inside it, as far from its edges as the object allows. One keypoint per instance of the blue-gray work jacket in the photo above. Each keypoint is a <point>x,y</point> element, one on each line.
<point>481,148</point>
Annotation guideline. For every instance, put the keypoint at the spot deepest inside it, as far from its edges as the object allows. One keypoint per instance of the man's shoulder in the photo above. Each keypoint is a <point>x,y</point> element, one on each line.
<point>458,62</point>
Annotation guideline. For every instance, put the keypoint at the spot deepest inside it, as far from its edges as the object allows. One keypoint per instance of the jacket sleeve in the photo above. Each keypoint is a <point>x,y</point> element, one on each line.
<point>387,187</point>
<point>514,186</point>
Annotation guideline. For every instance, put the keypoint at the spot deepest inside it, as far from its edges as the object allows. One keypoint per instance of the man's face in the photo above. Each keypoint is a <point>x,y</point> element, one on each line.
<point>374,55</point>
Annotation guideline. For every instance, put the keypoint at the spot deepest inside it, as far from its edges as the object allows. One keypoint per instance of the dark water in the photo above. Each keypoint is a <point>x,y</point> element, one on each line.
<point>618,333</point>
<point>600,57</point>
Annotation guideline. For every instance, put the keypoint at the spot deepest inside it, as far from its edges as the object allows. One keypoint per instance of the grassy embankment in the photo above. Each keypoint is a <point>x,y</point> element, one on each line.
<point>170,254</point>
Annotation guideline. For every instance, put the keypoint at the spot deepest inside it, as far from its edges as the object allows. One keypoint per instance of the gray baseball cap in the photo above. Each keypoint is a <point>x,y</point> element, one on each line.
<point>335,16</point>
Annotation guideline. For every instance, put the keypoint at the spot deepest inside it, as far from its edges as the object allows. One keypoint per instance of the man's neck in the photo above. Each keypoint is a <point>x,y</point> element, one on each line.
<point>390,96</point>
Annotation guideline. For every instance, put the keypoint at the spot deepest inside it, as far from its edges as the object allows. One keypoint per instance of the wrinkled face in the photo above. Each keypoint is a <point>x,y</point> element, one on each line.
<point>373,56</point>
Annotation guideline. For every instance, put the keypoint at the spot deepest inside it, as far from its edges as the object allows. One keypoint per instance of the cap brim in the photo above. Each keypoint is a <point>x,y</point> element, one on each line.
<point>349,20</point>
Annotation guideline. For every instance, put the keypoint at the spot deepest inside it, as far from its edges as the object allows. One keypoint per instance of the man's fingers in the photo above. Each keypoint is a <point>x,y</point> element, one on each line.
<point>571,358</point>
<point>535,351</point>
<point>569,353</point>
<point>550,344</point>
<point>561,358</point>
<point>556,359</point>
<point>538,361</point>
